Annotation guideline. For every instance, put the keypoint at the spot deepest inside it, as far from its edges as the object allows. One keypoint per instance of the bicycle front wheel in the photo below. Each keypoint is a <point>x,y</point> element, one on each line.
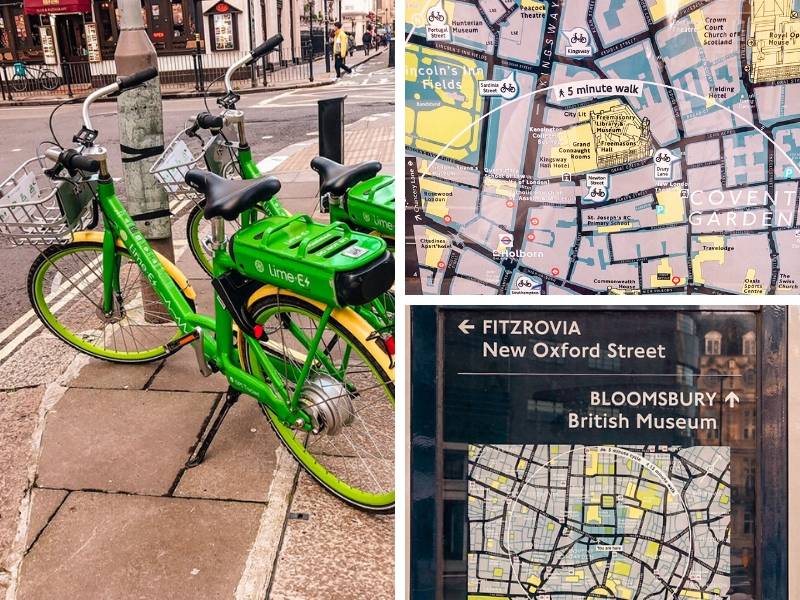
<point>65,287</point>
<point>351,398</point>
<point>49,80</point>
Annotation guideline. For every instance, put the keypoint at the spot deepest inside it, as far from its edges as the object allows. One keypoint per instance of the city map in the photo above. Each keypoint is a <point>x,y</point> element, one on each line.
<point>591,522</point>
<point>602,147</point>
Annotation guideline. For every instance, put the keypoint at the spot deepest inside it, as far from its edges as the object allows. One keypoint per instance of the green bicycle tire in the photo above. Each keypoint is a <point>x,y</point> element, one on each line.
<point>81,340</point>
<point>279,306</point>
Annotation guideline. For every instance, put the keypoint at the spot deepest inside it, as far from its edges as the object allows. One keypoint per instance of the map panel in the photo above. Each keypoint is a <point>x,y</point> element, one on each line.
<point>636,147</point>
<point>591,522</point>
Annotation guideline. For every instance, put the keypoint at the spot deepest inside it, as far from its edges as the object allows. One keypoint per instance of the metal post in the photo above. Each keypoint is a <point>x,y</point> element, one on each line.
<point>330,115</point>
<point>391,52</point>
<point>326,45</point>
<point>6,86</point>
<point>67,72</point>
<point>311,63</point>
<point>141,129</point>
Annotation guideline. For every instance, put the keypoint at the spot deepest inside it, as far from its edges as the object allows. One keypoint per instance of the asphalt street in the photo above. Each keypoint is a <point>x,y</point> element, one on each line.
<point>275,120</point>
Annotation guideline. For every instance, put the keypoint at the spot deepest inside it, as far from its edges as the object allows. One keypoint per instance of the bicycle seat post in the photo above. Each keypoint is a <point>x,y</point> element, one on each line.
<point>217,233</point>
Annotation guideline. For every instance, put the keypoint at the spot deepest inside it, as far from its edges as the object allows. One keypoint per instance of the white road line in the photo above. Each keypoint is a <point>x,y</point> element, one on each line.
<point>271,162</point>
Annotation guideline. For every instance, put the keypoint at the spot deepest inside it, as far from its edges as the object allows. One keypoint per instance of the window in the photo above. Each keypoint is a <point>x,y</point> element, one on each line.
<point>223,24</point>
<point>170,25</point>
<point>749,344</point>
<point>19,34</point>
<point>713,343</point>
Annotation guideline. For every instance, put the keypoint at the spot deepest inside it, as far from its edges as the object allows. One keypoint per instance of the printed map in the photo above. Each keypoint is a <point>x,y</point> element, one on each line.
<point>594,522</point>
<point>639,146</point>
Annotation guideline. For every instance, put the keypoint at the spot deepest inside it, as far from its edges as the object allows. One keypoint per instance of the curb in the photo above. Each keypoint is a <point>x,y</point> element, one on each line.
<point>52,101</point>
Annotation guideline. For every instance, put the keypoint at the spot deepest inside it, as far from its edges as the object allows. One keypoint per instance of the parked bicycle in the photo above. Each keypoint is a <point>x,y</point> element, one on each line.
<point>357,196</point>
<point>283,329</point>
<point>34,77</point>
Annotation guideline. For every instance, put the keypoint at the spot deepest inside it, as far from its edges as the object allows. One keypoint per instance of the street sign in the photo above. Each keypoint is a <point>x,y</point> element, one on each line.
<point>590,376</point>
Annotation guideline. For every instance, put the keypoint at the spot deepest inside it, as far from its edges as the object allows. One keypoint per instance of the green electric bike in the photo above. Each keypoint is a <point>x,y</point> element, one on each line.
<point>283,329</point>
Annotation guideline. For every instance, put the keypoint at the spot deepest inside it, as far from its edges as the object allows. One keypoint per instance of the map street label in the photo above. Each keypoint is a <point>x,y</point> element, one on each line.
<point>507,88</point>
<point>437,28</point>
<point>578,42</point>
<point>663,160</point>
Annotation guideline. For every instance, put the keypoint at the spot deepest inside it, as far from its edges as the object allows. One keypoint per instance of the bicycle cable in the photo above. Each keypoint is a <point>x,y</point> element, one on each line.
<point>208,89</point>
<point>50,120</point>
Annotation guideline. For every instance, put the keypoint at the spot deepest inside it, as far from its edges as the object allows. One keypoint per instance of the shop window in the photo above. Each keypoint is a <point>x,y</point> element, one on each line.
<point>222,20</point>
<point>713,343</point>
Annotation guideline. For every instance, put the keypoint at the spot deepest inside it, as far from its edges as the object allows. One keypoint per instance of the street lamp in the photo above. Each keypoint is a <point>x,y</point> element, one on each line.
<point>327,40</point>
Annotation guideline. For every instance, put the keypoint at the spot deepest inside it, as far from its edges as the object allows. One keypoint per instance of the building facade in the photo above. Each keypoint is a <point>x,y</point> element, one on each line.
<point>86,31</point>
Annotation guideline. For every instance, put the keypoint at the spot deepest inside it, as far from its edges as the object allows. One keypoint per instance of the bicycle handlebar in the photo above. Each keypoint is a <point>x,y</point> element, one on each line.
<point>206,120</point>
<point>120,85</point>
<point>72,160</point>
<point>265,48</point>
<point>248,59</point>
<point>129,81</point>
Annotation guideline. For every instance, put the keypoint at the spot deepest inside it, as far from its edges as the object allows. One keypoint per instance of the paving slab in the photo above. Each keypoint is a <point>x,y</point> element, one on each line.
<point>112,546</point>
<point>121,440</point>
<point>99,374</point>
<point>241,461</point>
<point>181,373</point>
<point>44,504</point>
<point>358,566</point>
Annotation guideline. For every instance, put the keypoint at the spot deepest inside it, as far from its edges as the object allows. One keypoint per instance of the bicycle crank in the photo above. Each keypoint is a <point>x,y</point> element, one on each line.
<point>328,403</point>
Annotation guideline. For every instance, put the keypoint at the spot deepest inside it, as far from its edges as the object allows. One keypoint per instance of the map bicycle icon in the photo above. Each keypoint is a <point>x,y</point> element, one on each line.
<point>436,16</point>
<point>579,38</point>
<point>508,87</point>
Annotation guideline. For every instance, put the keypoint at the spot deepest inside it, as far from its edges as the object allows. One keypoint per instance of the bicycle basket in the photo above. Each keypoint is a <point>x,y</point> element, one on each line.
<point>19,69</point>
<point>183,153</point>
<point>37,210</point>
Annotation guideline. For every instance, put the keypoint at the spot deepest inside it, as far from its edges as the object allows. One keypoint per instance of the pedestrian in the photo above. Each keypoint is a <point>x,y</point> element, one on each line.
<point>367,39</point>
<point>340,50</point>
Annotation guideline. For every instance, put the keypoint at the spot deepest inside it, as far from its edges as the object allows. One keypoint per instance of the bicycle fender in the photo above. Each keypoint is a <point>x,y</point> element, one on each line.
<point>348,318</point>
<point>174,272</point>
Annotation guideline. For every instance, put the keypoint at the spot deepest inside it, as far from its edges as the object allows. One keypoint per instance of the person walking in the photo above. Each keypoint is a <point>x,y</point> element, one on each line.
<point>367,39</point>
<point>340,50</point>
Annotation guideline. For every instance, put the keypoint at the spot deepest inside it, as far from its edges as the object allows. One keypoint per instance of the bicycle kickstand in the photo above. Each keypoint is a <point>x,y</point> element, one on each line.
<point>231,396</point>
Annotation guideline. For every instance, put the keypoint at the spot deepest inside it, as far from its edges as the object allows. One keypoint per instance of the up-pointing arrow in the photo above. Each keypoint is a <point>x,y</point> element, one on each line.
<point>465,326</point>
<point>732,399</point>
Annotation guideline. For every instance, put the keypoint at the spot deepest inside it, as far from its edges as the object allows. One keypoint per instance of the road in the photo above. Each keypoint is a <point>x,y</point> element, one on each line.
<point>275,120</point>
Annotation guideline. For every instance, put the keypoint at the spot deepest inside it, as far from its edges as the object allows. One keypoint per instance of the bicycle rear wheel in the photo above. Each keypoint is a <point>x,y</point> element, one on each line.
<point>352,455</point>
<point>65,287</point>
<point>19,83</point>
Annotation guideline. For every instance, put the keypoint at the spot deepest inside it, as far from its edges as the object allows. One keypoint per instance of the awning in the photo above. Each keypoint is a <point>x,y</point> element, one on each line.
<point>54,7</point>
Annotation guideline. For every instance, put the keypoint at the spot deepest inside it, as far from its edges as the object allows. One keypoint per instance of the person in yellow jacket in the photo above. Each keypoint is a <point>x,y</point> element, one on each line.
<point>340,50</point>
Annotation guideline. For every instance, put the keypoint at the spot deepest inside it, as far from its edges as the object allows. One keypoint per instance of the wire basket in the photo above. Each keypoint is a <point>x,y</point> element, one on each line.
<point>183,153</point>
<point>37,210</point>
<point>189,151</point>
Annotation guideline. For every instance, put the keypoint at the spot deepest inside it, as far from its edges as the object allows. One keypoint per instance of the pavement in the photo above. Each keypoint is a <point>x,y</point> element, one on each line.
<point>95,498</point>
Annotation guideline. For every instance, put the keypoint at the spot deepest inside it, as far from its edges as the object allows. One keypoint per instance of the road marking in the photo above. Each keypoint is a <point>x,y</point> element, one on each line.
<point>266,137</point>
<point>313,133</point>
<point>271,162</point>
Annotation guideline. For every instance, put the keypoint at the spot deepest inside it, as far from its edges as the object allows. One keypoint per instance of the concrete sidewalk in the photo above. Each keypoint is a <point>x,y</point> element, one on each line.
<point>96,501</point>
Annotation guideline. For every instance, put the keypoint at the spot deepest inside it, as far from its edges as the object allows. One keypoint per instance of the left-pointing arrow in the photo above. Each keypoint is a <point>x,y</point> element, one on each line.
<point>465,326</point>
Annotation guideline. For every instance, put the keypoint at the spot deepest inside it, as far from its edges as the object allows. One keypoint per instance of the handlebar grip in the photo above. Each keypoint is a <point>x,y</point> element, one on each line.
<point>74,161</point>
<point>265,48</point>
<point>128,81</point>
<point>208,121</point>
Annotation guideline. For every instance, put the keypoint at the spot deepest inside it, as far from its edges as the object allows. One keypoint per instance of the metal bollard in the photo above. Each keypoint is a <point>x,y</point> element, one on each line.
<point>391,53</point>
<point>331,128</point>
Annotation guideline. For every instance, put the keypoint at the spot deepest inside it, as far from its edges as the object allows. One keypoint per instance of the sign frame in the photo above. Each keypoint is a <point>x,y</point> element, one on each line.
<point>426,558</point>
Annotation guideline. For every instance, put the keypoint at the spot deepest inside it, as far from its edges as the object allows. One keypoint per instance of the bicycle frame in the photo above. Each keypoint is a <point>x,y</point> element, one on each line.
<point>218,348</point>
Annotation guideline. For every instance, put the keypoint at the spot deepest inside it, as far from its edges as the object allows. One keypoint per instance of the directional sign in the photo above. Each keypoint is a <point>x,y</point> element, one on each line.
<point>591,376</point>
